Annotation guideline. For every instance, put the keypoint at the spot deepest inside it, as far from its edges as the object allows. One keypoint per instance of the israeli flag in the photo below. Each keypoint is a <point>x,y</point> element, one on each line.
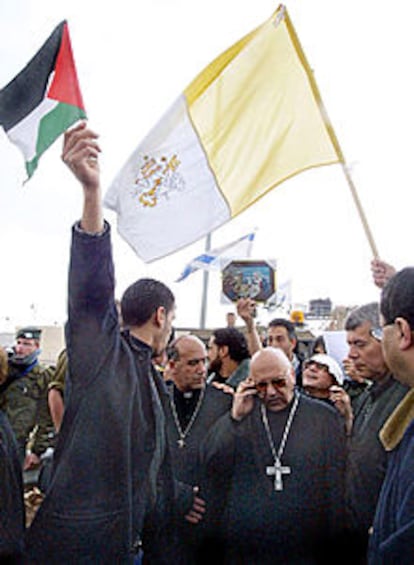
<point>239,249</point>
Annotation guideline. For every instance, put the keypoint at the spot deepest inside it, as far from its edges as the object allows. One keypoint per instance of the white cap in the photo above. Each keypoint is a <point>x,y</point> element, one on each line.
<point>333,368</point>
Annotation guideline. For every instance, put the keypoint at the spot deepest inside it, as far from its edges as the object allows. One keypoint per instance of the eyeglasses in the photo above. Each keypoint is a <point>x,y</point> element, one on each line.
<point>376,333</point>
<point>319,366</point>
<point>276,382</point>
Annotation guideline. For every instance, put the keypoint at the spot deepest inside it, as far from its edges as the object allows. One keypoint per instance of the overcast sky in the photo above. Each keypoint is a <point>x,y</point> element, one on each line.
<point>133,59</point>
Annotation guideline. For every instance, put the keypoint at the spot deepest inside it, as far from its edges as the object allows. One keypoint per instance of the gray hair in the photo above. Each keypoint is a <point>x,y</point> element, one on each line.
<point>366,313</point>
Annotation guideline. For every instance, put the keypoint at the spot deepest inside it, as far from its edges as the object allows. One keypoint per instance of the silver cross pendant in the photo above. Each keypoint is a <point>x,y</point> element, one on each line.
<point>277,470</point>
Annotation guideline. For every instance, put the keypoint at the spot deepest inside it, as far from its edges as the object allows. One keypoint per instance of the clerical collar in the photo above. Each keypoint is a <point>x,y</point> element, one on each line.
<point>185,402</point>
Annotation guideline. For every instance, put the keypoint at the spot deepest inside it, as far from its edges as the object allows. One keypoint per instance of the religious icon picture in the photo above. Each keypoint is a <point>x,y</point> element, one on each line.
<point>248,279</point>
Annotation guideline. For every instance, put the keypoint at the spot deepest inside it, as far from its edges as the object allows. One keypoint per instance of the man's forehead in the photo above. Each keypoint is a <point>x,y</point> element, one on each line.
<point>189,347</point>
<point>277,330</point>
<point>268,362</point>
<point>361,330</point>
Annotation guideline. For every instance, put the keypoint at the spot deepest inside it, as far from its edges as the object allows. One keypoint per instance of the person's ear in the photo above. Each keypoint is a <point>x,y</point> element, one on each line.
<point>403,328</point>
<point>160,316</point>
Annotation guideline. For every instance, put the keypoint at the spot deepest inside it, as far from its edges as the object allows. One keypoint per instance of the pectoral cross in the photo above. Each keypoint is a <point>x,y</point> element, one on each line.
<point>277,469</point>
<point>181,443</point>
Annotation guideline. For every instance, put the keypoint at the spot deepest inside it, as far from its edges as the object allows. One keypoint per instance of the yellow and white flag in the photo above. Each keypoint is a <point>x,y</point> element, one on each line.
<point>250,120</point>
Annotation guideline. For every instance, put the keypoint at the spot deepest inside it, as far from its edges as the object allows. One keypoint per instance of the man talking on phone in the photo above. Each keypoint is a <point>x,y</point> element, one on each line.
<point>280,455</point>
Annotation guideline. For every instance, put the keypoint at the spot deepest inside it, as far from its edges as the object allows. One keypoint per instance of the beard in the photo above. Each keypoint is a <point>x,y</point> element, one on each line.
<point>215,366</point>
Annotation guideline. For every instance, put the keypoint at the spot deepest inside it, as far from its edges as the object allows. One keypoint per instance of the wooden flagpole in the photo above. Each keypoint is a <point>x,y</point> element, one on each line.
<point>330,131</point>
<point>360,211</point>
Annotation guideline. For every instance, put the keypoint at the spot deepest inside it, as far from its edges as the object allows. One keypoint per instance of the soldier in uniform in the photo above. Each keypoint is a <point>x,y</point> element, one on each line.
<point>23,397</point>
<point>56,390</point>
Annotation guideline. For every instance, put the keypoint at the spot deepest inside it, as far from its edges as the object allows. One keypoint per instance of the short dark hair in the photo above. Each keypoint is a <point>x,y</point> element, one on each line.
<point>235,341</point>
<point>142,298</point>
<point>397,297</point>
<point>290,328</point>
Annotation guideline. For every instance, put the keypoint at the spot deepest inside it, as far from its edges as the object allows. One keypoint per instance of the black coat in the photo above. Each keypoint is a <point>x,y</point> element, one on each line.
<point>304,522</point>
<point>11,496</point>
<point>185,461</point>
<point>192,539</point>
<point>111,458</point>
<point>367,458</point>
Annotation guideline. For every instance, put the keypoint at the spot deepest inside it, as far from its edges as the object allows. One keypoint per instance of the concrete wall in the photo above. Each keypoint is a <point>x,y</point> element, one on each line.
<point>51,343</point>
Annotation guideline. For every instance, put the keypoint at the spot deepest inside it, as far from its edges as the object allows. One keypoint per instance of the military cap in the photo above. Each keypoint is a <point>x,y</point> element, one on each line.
<point>29,332</point>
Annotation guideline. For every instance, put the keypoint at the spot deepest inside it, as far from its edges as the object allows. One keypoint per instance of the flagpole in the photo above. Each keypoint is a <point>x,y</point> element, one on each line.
<point>205,288</point>
<point>331,133</point>
<point>360,211</point>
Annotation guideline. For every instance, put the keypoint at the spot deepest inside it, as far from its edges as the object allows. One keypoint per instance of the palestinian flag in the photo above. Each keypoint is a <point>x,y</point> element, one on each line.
<point>43,100</point>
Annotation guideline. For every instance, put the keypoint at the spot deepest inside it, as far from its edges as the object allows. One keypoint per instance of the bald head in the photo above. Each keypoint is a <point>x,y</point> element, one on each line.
<point>272,356</point>
<point>188,363</point>
<point>273,376</point>
<point>184,342</point>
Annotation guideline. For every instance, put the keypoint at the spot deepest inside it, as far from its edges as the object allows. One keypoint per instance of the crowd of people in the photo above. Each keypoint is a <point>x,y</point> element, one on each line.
<point>153,448</point>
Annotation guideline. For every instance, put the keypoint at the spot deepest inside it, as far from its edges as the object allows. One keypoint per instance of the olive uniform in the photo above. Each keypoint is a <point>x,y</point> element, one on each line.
<point>23,398</point>
<point>58,381</point>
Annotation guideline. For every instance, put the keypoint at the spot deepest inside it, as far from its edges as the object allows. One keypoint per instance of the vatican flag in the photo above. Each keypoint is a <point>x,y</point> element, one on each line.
<point>250,120</point>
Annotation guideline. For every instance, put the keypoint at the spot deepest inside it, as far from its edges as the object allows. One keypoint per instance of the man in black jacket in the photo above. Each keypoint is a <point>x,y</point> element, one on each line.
<point>11,488</point>
<point>112,484</point>
<point>367,458</point>
<point>392,540</point>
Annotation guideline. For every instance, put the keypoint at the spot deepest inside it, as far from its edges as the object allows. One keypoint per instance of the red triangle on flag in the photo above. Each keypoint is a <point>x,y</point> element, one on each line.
<point>65,85</point>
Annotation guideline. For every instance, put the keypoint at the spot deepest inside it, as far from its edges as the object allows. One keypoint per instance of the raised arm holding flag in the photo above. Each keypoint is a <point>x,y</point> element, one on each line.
<point>43,100</point>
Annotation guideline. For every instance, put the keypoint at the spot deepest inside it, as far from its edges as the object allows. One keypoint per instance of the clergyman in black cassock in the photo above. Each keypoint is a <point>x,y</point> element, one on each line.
<point>280,457</point>
<point>193,408</point>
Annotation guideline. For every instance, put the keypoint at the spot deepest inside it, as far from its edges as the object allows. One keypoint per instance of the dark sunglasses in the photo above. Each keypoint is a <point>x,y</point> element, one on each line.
<point>276,383</point>
<point>319,366</point>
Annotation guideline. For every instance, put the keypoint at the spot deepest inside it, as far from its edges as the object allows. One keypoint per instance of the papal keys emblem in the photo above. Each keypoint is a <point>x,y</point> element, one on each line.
<point>157,178</point>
